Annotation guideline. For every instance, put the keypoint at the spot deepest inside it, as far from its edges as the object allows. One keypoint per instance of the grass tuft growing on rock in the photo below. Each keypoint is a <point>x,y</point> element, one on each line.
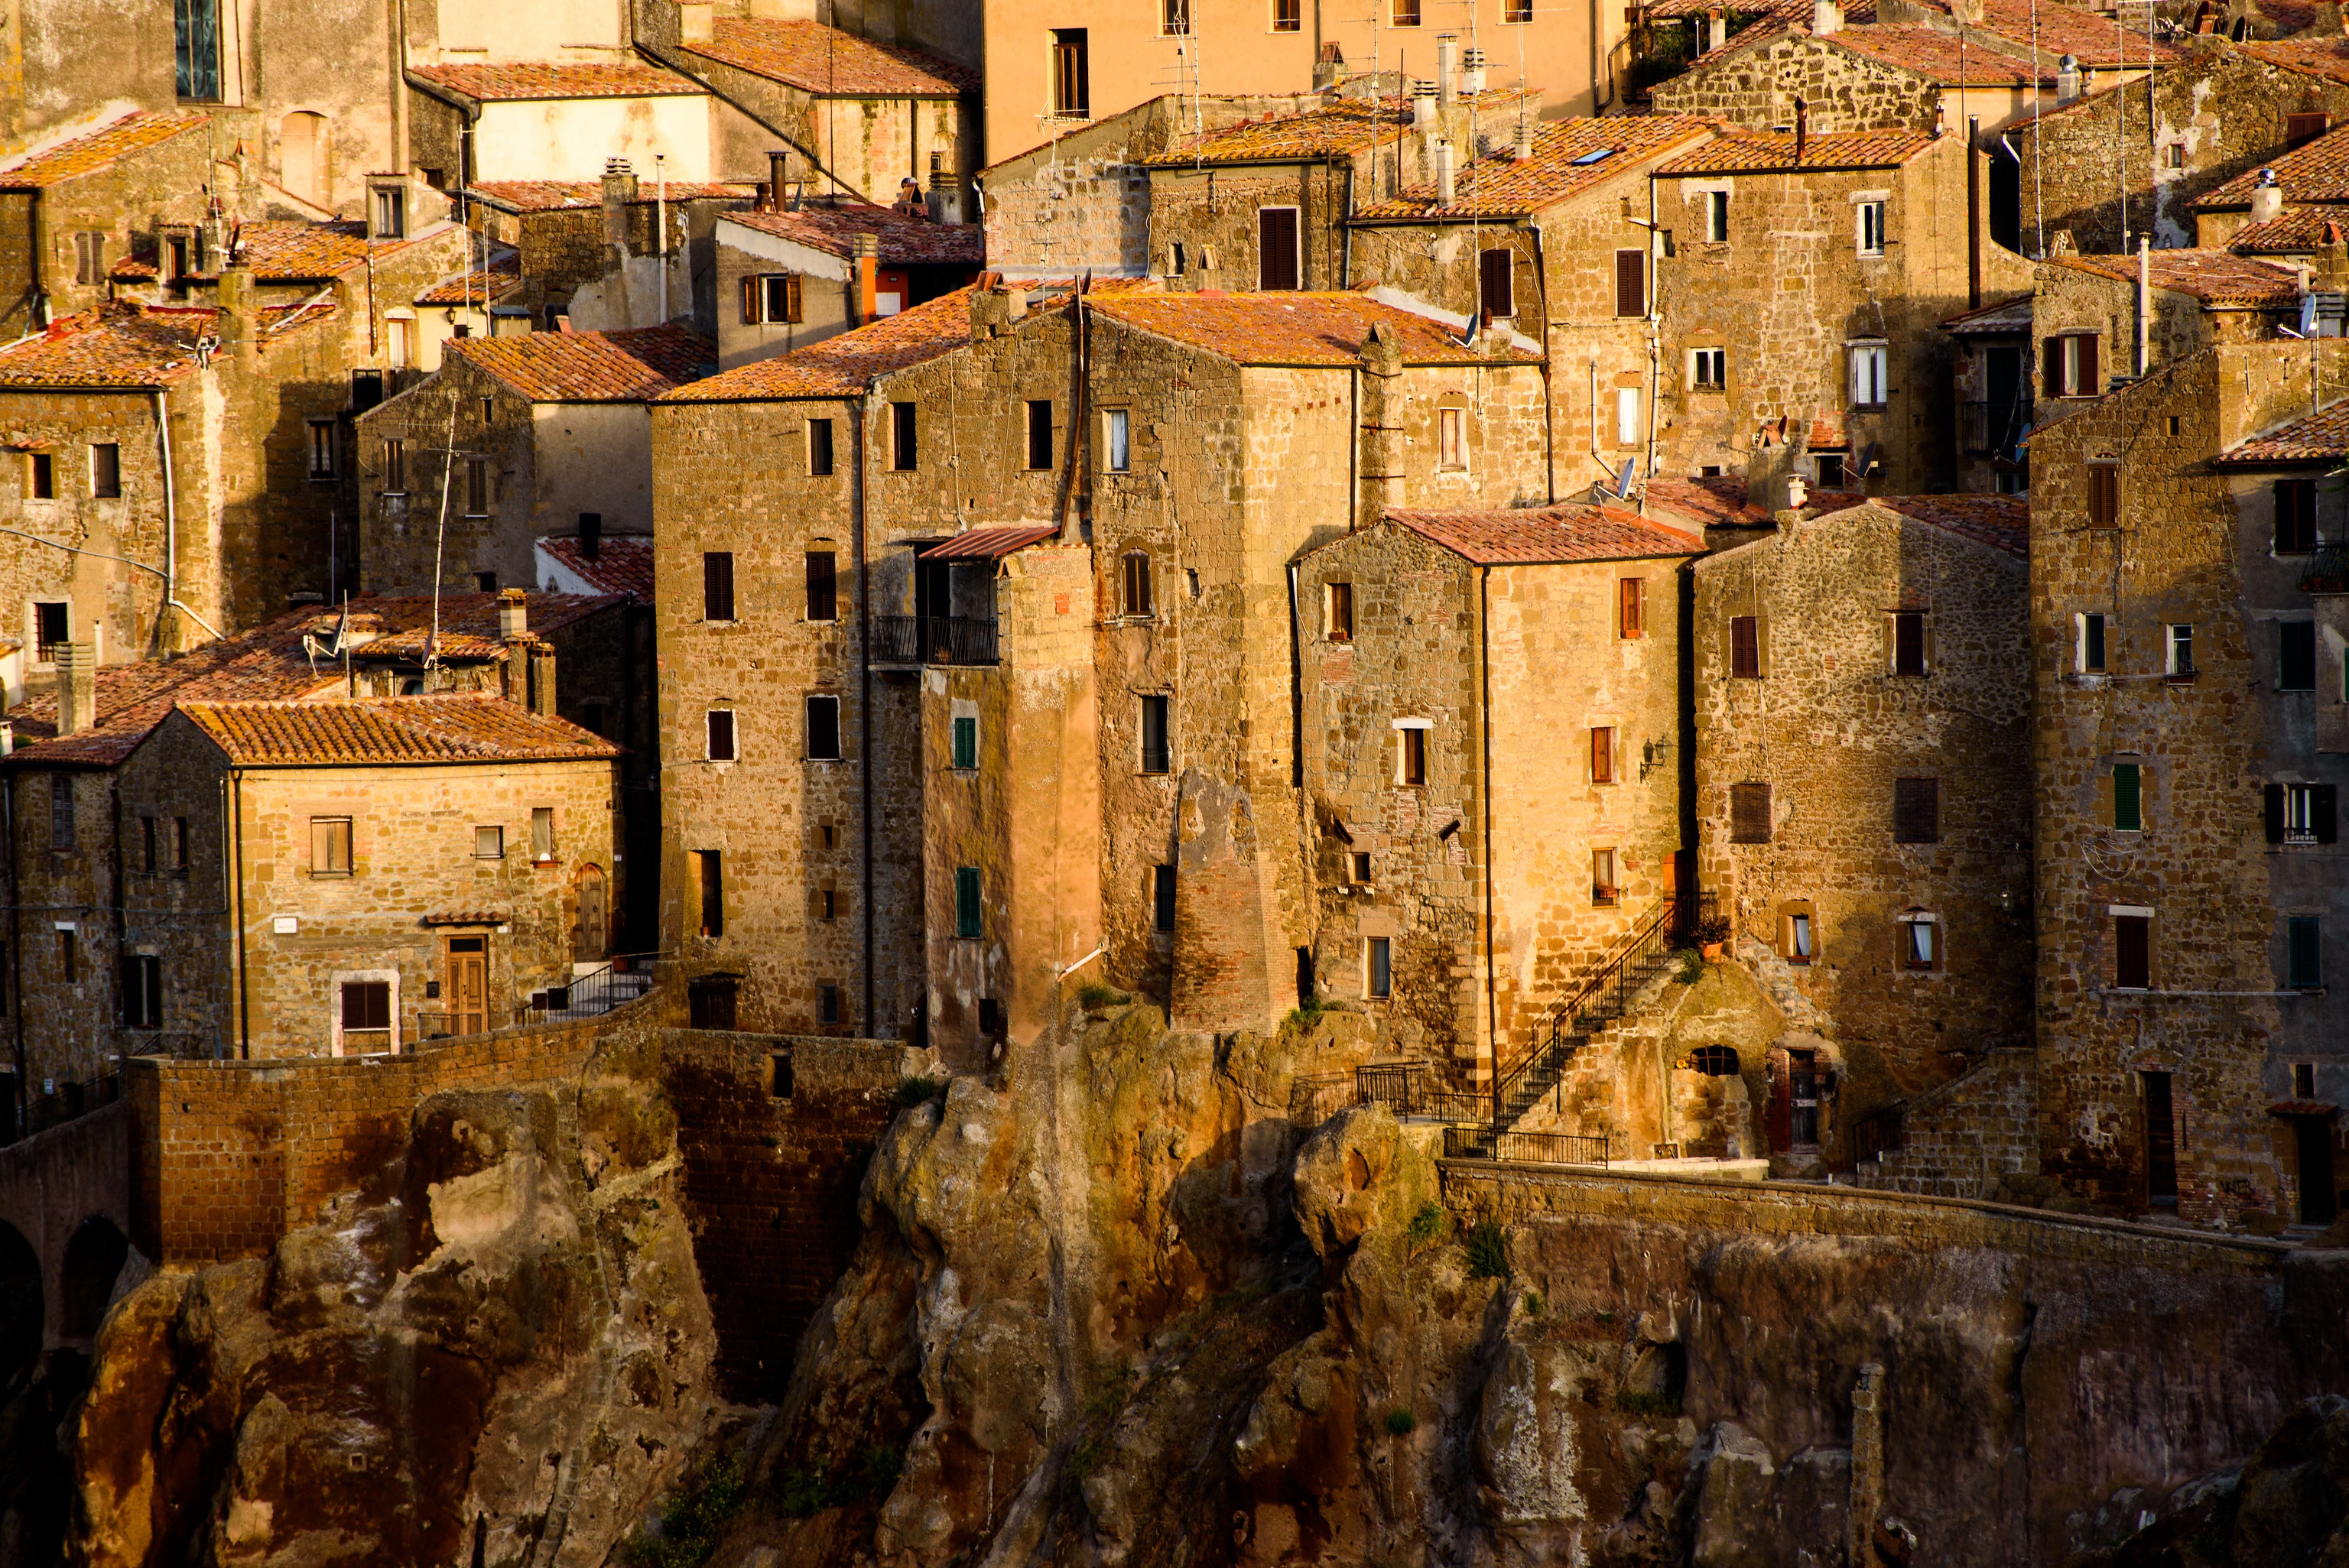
<point>802,1494</point>
<point>1094,996</point>
<point>1488,1250</point>
<point>1647,1404</point>
<point>691,1521</point>
<point>1425,1225</point>
<point>1533,1300</point>
<point>1401,1423</point>
<point>915,1089</point>
<point>1305,1015</point>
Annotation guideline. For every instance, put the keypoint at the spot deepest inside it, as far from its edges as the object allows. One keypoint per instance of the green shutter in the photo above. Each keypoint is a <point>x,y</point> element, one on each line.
<point>967,904</point>
<point>966,742</point>
<point>2128,814</point>
<point>2303,959</point>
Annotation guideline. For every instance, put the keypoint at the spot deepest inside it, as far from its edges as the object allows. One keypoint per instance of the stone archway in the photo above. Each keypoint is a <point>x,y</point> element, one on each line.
<point>93,1262</point>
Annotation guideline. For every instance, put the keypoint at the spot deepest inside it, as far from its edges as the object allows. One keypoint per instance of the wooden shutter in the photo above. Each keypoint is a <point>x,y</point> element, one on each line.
<point>2104,495</point>
<point>1630,282</point>
<point>1915,811</point>
<point>1631,624</point>
<point>1749,813</point>
<point>1496,282</point>
<point>2325,812</point>
<point>2295,516</point>
<point>2051,369</point>
<point>1602,756</point>
<point>823,587</point>
<point>751,315</point>
<point>721,735</point>
<point>793,309</point>
<point>2089,381</point>
<point>2299,128</point>
<point>2128,790</point>
<point>1780,1117</point>
<point>1276,247</point>
<point>2275,813</point>
<point>717,585</point>
<point>1744,647</point>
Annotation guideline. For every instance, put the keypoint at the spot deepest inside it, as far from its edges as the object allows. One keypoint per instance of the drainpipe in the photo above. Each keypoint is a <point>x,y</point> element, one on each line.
<point>1549,408</point>
<point>660,225</point>
<point>1655,332</point>
<point>864,725</point>
<point>1974,213</point>
<point>1346,230</point>
<point>2144,300</point>
<point>38,314</point>
<point>233,805</point>
<point>171,522</point>
<point>16,948</point>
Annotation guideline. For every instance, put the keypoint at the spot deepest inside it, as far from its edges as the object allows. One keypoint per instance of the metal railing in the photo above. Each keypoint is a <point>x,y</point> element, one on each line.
<point>1602,997</point>
<point>2327,570</point>
<point>61,1105</point>
<point>1987,427</point>
<point>933,640</point>
<point>622,980</point>
<point>1879,1132</point>
<point>1406,1089</point>
<point>1527,1147</point>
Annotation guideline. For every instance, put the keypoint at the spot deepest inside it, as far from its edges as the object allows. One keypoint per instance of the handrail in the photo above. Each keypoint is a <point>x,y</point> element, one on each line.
<point>595,992</point>
<point>1652,932</point>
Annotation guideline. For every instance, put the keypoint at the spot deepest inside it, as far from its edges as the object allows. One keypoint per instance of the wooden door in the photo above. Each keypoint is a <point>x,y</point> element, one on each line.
<point>469,985</point>
<point>2160,1144</point>
<point>589,938</point>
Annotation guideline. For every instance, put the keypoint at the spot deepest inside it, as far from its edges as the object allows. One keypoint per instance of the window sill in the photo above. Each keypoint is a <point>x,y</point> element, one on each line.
<point>1869,408</point>
<point>2185,678</point>
<point>330,876</point>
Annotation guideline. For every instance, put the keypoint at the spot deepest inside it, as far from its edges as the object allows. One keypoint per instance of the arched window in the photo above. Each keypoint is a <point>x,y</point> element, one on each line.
<point>1714,1061</point>
<point>1134,597</point>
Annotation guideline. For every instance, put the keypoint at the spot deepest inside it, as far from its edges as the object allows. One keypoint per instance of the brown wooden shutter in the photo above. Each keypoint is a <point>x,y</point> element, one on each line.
<point>2133,952</point>
<point>717,585</point>
<point>2104,495</point>
<point>2051,370</point>
<point>2325,812</point>
<point>2090,383</point>
<point>2275,813</point>
<point>750,301</point>
<point>1496,282</point>
<point>1602,756</point>
<point>792,311</point>
<point>2299,128</point>
<point>1630,282</point>
<point>1915,811</point>
<point>823,587</point>
<point>1744,647</point>
<point>1749,813</point>
<point>1276,247</point>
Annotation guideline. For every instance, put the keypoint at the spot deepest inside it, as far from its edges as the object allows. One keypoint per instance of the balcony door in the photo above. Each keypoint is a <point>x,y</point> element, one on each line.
<point>2002,381</point>
<point>468,985</point>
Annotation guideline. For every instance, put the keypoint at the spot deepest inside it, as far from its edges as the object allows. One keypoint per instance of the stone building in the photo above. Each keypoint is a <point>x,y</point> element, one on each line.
<point>2089,312</point>
<point>595,245</point>
<point>2187,672</point>
<point>2310,180</point>
<point>794,275</point>
<point>550,435</point>
<point>1992,379</point>
<point>1806,280</point>
<point>1863,782</point>
<point>1491,727</point>
<point>478,120</point>
<point>71,212</point>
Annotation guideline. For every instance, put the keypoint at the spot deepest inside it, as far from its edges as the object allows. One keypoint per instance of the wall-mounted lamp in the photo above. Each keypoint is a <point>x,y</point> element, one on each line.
<point>1655,754</point>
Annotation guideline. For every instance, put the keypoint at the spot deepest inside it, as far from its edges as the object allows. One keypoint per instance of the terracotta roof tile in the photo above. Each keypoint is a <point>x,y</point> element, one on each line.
<point>2299,233</point>
<point>292,250</point>
<point>2321,436</point>
<point>1721,502</point>
<point>628,367</point>
<point>2316,172</point>
<point>2087,36</point>
<point>268,662</point>
<point>1286,328</point>
<point>1500,184</point>
<point>1533,536</point>
<point>131,345</point>
<point>1860,11</point>
<point>561,195</point>
<point>904,242</point>
<point>990,543</point>
<point>623,564</point>
<point>2327,58</point>
<point>2002,521</point>
<point>830,62</point>
<point>2214,277</point>
<point>1937,55</point>
<point>846,365</point>
<point>1338,127</point>
<point>1758,153</point>
<point>2002,317</point>
<point>380,730</point>
<point>524,80</point>
<point>95,150</point>
<point>482,285</point>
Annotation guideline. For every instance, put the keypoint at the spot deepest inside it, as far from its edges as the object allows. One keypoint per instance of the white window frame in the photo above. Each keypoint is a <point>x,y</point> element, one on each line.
<point>1936,952</point>
<point>2176,635</point>
<point>335,983</point>
<point>2080,643</point>
<point>1870,370</point>
<point>1452,439</point>
<point>1117,440</point>
<point>1427,750</point>
<point>1626,416</point>
<point>1716,216</point>
<point>1719,359</point>
<point>1869,216</point>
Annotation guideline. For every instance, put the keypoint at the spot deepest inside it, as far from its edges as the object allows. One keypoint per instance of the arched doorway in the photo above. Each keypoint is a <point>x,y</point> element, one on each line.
<point>591,935</point>
<point>94,1260</point>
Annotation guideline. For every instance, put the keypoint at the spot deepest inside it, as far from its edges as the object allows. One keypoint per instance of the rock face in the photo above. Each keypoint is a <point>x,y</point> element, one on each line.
<point>487,1357</point>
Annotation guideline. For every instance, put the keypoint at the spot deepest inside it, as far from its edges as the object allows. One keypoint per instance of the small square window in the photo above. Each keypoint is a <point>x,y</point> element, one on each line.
<point>489,843</point>
<point>330,846</point>
<point>2179,639</point>
<point>1919,948</point>
<point>1357,866</point>
<point>1830,469</point>
<point>1709,369</point>
<point>40,476</point>
<point>106,470</point>
<point>1411,761</point>
<point>322,449</point>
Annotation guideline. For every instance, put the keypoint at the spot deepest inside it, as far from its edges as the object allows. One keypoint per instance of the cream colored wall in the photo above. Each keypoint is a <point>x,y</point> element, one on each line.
<point>571,138</point>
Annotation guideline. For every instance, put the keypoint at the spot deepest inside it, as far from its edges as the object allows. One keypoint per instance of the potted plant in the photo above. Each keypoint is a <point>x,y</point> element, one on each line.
<point>1712,934</point>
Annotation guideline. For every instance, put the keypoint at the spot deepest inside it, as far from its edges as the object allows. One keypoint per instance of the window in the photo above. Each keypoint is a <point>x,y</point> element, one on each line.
<point>1406,14</point>
<point>1716,216</point>
<point>400,334</point>
<point>2173,156</point>
<point>717,585</point>
<point>1276,258</point>
<point>1871,228</point>
<point>40,476</point>
<point>489,843</point>
<point>330,846</point>
<point>965,741</point>
<point>967,910</point>
<point>1156,757</point>
<point>1410,755</point>
<point>1919,946</point>
<point>827,1003</point>
<point>1627,416</point>
<point>2295,517</point>
<point>1630,282</point>
<point>2133,951</point>
<point>195,39</point>
<point>1516,11</point>
<point>106,470</point>
<point>828,905</point>
<point>1602,755</point>
<point>63,829</point>
<point>2104,495</point>
<point>823,728</point>
<point>52,629</point>
<point>2295,656</point>
<point>823,587</point>
<point>2302,813</point>
<point>142,991</point>
<point>1749,813</point>
<point>1378,968</point>
<point>2128,797</point>
<point>1714,1061</point>
<point>1867,388</point>
<point>1338,612</point>
<point>69,955</point>
<point>322,449</point>
<point>477,487</point>
<point>2090,655</point>
<point>2160,1141</point>
<point>2303,1080</point>
<point>990,1016</point>
<point>1175,17</point>
<point>1801,940</point>
<point>1709,369</point>
<point>367,1007</point>
<point>1133,587</point>
<point>1829,467</point>
<point>1604,889</point>
<point>1744,647</point>
<point>819,447</point>
<point>1908,643</point>
<point>1497,282</point>
<point>179,846</point>
<point>905,447</point>
<point>1357,866</point>
<point>147,846</point>
<point>1162,898</point>
<point>394,465</point>
<point>1117,442</point>
<point>1039,433</point>
<point>2069,369</point>
<point>709,1002</point>
<point>390,214</point>
<point>772,299</point>
<point>1915,811</point>
<point>485,581</point>
<point>711,867</point>
<point>1631,606</point>
<point>720,722</point>
<point>2302,128</point>
<point>1072,88</point>
<point>89,258</point>
<point>1452,439</point>
<point>2179,638</point>
<point>541,832</point>
<point>1287,15</point>
<point>2303,969</point>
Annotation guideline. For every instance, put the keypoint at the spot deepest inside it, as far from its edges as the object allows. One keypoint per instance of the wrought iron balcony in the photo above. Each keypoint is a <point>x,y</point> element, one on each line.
<point>933,640</point>
<point>1985,427</point>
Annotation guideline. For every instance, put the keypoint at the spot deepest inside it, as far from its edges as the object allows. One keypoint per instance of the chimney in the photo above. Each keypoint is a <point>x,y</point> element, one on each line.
<point>591,535</point>
<point>1423,106</point>
<point>694,18</point>
<point>77,687</point>
<point>1471,71</point>
<point>1446,189</point>
<point>1802,130</point>
<point>1717,29</point>
<point>1523,149</point>
<point>1329,67</point>
<point>946,199</point>
<point>868,257</point>
<point>2067,79</point>
<point>778,175</point>
<point>513,615</point>
<point>2267,198</point>
<point>542,679</point>
<point>619,189</point>
<point>239,323</point>
<point>1447,69</point>
<point>1826,16</point>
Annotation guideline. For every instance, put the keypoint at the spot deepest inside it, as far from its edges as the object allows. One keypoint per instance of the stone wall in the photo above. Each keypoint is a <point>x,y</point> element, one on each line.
<point>1959,1140</point>
<point>404,535</point>
<point>1214,213</point>
<point>1843,90</point>
<point>61,1189</point>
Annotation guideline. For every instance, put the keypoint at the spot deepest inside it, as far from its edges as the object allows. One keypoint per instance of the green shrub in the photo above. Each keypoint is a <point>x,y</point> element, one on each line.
<point>1306,1014</point>
<point>914,1090</point>
<point>1095,995</point>
<point>801,1493</point>
<point>1533,1303</point>
<point>1425,1225</point>
<point>692,1519</point>
<point>1401,1423</point>
<point>1488,1250</point>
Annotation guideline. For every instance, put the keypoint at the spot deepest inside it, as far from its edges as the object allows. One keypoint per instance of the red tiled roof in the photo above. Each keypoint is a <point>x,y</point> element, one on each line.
<point>1292,328</point>
<point>1535,536</point>
<point>2321,436</point>
<point>342,732</point>
<point>2214,277</point>
<point>1753,152</point>
<point>846,365</point>
<point>482,285</point>
<point>2002,521</point>
<point>904,242</point>
<point>623,564</point>
<point>990,543</point>
<point>2327,58</point>
<point>2091,39</point>
<point>1339,127</point>
<point>2299,233</point>
<point>1938,56</point>
<point>1859,11</point>
<point>830,62</point>
<point>628,367</point>
<point>2316,172</point>
<point>523,80</point>
<point>1502,185</point>
<point>131,345</point>
<point>1721,502</point>
<point>95,150</point>
<point>2005,315</point>
<point>561,195</point>
<point>268,662</point>
<point>292,250</point>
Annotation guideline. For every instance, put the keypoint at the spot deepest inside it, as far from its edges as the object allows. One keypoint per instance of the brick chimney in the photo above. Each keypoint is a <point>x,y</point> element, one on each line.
<point>514,617</point>
<point>541,678</point>
<point>77,687</point>
<point>238,324</point>
<point>778,176</point>
<point>868,258</point>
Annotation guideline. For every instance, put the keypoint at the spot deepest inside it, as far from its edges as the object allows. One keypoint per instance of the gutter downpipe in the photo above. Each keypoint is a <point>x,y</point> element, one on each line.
<point>864,725</point>
<point>171,522</point>
<point>1549,409</point>
<point>235,792</point>
<point>1655,334</point>
<point>38,314</point>
<point>1485,744</point>
<point>1973,212</point>
<point>1346,229</point>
